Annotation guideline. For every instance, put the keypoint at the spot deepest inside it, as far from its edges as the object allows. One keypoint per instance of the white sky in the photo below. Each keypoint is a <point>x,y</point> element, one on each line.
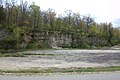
<point>102,10</point>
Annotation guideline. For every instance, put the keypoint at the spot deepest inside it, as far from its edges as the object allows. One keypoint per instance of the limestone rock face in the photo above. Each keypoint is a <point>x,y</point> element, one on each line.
<point>3,34</point>
<point>54,39</point>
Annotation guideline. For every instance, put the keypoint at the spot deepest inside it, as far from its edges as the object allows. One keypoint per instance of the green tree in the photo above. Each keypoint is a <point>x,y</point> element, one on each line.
<point>2,15</point>
<point>17,35</point>
<point>34,16</point>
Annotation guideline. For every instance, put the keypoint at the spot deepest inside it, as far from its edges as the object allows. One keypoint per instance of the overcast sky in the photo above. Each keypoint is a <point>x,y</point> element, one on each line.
<point>101,10</point>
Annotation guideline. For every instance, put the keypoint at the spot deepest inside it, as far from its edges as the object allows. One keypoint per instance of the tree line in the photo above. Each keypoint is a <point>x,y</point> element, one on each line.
<point>20,19</point>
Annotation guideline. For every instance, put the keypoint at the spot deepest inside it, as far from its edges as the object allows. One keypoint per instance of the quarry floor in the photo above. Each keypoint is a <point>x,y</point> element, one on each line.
<point>43,59</point>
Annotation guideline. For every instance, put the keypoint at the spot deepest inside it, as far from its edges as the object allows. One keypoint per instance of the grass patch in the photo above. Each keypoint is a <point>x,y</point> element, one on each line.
<point>63,70</point>
<point>99,69</point>
<point>38,54</point>
<point>27,71</point>
<point>11,55</point>
<point>22,54</point>
<point>12,50</point>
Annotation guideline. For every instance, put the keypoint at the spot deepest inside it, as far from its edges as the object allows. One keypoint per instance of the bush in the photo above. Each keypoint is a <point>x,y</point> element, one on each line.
<point>33,45</point>
<point>44,45</point>
<point>85,46</point>
<point>113,41</point>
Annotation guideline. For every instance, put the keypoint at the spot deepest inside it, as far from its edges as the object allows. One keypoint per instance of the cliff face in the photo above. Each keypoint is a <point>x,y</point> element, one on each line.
<point>61,39</point>
<point>55,39</point>
<point>3,34</point>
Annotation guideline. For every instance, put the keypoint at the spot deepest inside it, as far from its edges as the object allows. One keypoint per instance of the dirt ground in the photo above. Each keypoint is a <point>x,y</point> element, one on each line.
<point>62,59</point>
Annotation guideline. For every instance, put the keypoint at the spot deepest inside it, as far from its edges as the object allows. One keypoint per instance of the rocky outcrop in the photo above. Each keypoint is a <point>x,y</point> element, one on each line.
<point>57,39</point>
<point>3,34</point>
<point>54,39</point>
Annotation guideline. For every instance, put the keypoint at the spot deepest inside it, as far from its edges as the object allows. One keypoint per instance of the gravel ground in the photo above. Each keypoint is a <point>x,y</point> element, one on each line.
<point>62,59</point>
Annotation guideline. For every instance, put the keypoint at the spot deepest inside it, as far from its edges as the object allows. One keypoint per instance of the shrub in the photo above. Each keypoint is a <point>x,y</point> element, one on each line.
<point>32,45</point>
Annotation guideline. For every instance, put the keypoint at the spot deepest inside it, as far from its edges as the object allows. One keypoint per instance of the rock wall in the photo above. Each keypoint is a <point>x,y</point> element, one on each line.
<point>3,34</point>
<point>54,39</point>
<point>57,39</point>
<point>97,41</point>
<point>61,39</point>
